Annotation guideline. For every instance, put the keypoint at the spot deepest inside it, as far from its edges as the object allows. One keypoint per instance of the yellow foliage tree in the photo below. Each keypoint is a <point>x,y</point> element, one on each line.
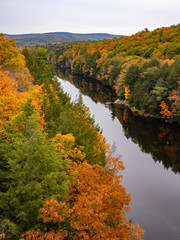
<point>65,145</point>
<point>10,57</point>
<point>127,92</point>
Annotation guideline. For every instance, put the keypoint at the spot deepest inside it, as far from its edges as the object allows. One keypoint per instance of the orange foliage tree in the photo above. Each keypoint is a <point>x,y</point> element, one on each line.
<point>175,101</point>
<point>11,99</point>
<point>12,60</point>
<point>165,110</point>
<point>95,208</point>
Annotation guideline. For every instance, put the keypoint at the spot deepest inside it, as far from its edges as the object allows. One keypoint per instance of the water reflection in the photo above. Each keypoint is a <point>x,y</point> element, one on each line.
<point>158,138</point>
<point>90,87</point>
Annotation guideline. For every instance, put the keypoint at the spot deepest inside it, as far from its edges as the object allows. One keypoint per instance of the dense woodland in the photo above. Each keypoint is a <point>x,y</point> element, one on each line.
<point>144,69</point>
<point>54,183</point>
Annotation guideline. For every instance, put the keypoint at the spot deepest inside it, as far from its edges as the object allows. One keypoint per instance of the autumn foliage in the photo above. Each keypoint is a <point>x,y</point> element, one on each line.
<point>127,92</point>
<point>11,99</point>
<point>10,57</point>
<point>165,111</point>
<point>147,63</point>
<point>65,145</point>
<point>52,152</point>
<point>95,208</point>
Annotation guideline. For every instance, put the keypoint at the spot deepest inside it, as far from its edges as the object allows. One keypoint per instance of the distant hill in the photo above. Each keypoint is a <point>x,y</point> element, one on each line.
<point>57,37</point>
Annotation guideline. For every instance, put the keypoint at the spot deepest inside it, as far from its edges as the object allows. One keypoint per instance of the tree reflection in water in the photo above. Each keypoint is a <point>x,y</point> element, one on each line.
<point>156,137</point>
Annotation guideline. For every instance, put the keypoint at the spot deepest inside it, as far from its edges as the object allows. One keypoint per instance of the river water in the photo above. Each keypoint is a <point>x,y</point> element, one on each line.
<point>150,150</point>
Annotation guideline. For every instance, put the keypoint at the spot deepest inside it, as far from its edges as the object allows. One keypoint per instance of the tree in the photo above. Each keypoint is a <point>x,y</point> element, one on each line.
<point>34,170</point>
<point>39,67</point>
<point>95,208</point>
<point>175,103</point>
<point>41,53</point>
<point>10,97</point>
<point>7,229</point>
<point>160,90</point>
<point>77,120</point>
<point>65,145</point>
<point>127,92</point>
<point>165,111</point>
<point>10,57</point>
<point>132,76</point>
<point>172,79</point>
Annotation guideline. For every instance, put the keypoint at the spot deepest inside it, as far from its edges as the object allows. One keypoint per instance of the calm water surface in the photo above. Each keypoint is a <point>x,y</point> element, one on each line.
<point>150,151</point>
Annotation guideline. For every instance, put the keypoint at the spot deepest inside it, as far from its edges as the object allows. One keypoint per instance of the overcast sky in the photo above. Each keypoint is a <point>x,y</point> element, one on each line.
<point>124,17</point>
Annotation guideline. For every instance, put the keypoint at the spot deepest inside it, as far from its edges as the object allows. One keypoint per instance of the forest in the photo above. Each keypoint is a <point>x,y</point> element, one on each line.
<point>143,69</point>
<point>58,174</point>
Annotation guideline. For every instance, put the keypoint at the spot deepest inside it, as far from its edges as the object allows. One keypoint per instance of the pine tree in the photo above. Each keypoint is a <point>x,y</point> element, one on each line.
<point>34,170</point>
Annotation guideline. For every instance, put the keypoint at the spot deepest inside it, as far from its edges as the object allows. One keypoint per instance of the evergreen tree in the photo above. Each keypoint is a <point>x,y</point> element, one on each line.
<point>39,67</point>
<point>132,76</point>
<point>34,171</point>
<point>172,79</point>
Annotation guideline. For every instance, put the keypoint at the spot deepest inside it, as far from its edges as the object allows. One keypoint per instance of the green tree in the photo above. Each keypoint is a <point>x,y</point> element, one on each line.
<point>77,120</point>
<point>41,53</point>
<point>132,76</point>
<point>164,71</point>
<point>34,170</point>
<point>160,90</point>
<point>39,67</point>
<point>78,65</point>
<point>172,79</point>
<point>154,62</point>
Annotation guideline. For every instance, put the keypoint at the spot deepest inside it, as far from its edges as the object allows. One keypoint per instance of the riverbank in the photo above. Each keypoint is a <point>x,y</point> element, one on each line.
<point>148,147</point>
<point>142,113</point>
<point>134,110</point>
<point>114,97</point>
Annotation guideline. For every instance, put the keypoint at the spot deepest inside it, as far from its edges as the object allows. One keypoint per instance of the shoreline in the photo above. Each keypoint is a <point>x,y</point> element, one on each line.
<point>123,103</point>
<point>141,113</point>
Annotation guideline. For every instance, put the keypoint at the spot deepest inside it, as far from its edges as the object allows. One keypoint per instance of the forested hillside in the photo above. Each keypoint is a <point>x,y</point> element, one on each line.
<point>23,40</point>
<point>144,68</point>
<point>52,158</point>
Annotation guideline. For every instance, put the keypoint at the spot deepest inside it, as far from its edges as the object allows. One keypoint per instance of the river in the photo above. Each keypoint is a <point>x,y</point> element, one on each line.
<point>150,150</point>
